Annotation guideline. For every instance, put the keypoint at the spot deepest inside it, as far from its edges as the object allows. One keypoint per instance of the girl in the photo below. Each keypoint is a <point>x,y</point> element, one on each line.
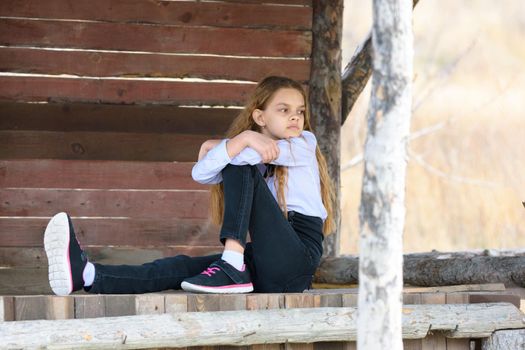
<point>269,178</point>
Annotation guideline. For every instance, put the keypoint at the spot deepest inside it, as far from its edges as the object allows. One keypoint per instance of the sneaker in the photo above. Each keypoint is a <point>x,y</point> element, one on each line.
<point>65,257</point>
<point>220,277</point>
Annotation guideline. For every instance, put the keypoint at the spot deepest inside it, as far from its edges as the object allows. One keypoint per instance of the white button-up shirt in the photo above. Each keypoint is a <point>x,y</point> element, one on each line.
<point>303,191</point>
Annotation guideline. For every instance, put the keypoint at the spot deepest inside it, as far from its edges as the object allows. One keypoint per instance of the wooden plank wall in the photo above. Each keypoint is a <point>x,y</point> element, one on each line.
<point>99,98</point>
<point>78,57</point>
<point>139,39</point>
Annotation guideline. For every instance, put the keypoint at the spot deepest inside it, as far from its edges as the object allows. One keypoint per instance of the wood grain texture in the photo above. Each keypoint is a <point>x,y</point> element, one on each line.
<point>176,303</point>
<point>434,341</point>
<point>258,326</point>
<point>161,119</point>
<point>147,204</point>
<point>25,281</point>
<point>121,91</point>
<point>119,305</point>
<point>100,146</point>
<point>69,174</point>
<point>493,298</point>
<point>325,98</point>
<point>455,270</point>
<point>7,308</point>
<point>59,308</point>
<point>136,233</point>
<point>127,64</point>
<point>331,300</point>
<point>265,302</point>
<point>150,304</point>
<point>250,15</point>
<point>412,344</point>
<point>89,306</point>
<point>300,301</point>
<point>31,308</point>
<point>150,38</point>
<point>458,344</point>
<point>35,257</point>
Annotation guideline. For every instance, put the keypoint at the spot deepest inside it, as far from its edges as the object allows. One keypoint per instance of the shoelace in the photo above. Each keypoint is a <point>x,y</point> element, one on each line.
<point>210,271</point>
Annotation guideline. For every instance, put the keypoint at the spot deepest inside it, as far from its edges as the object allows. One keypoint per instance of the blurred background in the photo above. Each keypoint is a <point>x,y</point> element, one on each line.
<point>466,170</point>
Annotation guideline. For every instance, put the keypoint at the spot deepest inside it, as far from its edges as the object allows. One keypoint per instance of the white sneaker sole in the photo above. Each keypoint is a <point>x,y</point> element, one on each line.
<point>189,287</point>
<point>56,243</point>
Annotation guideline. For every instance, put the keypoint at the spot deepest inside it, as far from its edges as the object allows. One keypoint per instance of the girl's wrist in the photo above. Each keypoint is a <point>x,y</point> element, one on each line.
<point>245,136</point>
<point>235,145</point>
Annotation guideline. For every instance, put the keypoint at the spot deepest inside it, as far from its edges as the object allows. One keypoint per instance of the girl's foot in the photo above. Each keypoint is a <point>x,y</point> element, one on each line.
<point>65,257</point>
<point>220,277</point>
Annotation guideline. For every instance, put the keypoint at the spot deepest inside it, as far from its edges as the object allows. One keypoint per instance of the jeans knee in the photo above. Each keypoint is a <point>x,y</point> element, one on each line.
<point>230,168</point>
<point>236,171</point>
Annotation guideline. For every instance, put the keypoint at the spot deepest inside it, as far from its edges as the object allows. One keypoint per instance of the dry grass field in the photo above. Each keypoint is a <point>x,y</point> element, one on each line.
<point>466,171</point>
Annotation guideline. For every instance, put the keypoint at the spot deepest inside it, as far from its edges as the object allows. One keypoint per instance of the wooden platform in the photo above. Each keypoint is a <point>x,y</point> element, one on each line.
<point>81,306</point>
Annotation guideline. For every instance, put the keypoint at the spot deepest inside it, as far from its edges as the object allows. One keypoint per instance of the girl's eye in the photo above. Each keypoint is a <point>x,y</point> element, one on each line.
<point>300,112</point>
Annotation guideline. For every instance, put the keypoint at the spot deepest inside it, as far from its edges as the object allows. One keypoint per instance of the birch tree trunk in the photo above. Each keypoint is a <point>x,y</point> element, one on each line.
<point>382,209</point>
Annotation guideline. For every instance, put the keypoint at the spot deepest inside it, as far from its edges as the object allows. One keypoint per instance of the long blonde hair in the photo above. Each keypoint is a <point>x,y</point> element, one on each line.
<point>244,121</point>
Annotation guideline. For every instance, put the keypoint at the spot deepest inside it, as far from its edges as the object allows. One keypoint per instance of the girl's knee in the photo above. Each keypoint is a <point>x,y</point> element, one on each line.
<point>239,170</point>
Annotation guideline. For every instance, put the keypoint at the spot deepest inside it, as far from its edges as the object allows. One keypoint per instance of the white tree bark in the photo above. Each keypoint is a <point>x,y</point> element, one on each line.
<point>382,209</point>
<point>505,340</point>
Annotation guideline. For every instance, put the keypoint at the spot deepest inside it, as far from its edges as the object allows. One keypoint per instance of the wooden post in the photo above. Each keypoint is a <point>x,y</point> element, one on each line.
<point>382,209</point>
<point>325,96</point>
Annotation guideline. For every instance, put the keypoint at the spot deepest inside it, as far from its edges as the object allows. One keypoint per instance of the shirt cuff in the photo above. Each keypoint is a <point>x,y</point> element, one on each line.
<point>220,153</point>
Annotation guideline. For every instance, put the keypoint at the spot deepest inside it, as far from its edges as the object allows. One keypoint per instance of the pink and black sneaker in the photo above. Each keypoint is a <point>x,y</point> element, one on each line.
<point>66,259</point>
<point>220,277</point>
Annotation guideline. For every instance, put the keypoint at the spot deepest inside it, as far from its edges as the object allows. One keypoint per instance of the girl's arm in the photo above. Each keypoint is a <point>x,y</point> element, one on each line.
<point>296,151</point>
<point>252,148</point>
<point>265,146</point>
<point>206,146</point>
<point>214,155</point>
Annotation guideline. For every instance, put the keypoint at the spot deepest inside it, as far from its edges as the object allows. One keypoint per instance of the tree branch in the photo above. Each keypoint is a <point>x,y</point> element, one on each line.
<point>356,75</point>
<point>438,269</point>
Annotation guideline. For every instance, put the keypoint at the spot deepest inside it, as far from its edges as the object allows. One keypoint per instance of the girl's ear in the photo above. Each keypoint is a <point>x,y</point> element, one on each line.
<point>258,118</point>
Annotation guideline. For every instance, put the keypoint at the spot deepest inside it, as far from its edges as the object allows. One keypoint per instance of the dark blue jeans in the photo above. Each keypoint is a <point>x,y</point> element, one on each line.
<point>282,256</point>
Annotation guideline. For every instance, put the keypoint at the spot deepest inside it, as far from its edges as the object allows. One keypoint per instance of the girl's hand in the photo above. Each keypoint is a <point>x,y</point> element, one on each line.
<point>206,146</point>
<point>262,144</point>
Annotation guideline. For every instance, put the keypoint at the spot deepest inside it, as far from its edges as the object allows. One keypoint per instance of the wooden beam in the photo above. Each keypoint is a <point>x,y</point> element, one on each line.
<point>182,13</point>
<point>153,38</point>
<point>132,64</point>
<point>325,95</point>
<point>118,91</point>
<point>49,173</point>
<point>145,205</point>
<point>248,327</point>
<point>428,270</point>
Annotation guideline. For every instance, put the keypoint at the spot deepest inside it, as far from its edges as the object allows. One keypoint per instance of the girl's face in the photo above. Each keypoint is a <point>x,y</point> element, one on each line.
<point>283,116</point>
